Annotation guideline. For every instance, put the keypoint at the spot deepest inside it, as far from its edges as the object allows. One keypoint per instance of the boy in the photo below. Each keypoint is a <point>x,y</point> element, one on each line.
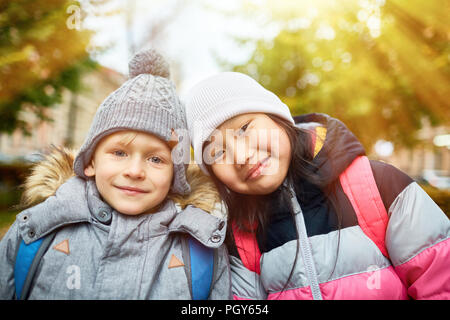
<point>114,232</point>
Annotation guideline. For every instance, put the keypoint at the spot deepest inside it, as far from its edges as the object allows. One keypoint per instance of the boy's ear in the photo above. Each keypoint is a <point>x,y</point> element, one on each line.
<point>89,171</point>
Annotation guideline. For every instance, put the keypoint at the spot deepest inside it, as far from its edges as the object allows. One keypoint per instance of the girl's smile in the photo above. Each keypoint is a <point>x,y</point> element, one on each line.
<point>257,169</point>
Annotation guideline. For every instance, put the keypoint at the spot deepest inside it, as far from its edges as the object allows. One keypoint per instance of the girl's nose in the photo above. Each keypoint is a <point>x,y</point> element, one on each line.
<point>243,152</point>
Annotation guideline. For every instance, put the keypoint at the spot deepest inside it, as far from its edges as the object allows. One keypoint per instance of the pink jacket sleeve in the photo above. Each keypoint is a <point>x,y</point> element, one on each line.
<point>417,239</point>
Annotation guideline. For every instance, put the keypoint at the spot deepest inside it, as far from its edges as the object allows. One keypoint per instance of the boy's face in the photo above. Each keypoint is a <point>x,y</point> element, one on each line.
<point>133,171</point>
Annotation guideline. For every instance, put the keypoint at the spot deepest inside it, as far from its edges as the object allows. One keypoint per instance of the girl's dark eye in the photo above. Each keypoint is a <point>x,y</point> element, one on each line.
<point>243,128</point>
<point>218,154</point>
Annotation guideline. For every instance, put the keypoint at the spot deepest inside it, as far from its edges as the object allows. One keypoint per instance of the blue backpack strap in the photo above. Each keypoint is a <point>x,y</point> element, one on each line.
<point>27,259</point>
<point>202,265</point>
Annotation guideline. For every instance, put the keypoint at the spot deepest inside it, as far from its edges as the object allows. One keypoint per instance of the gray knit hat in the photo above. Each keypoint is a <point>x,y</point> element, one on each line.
<point>146,102</point>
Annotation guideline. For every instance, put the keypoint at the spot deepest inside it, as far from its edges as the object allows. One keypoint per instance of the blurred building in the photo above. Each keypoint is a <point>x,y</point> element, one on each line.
<point>427,156</point>
<point>72,118</point>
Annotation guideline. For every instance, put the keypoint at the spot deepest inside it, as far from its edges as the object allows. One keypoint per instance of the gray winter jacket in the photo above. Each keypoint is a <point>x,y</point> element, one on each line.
<point>98,253</point>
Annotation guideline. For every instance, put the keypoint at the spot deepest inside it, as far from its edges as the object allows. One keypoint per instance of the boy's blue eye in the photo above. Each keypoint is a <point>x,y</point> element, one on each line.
<point>155,160</point>
<point>119,153</point>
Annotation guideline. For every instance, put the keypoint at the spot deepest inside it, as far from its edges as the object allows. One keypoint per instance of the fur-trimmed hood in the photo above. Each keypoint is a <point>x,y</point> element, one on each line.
<point>121,256</point>
<point>57,167</point>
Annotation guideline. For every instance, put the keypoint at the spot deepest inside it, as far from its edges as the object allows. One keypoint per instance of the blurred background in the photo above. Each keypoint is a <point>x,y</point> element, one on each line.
<point>380,66</point>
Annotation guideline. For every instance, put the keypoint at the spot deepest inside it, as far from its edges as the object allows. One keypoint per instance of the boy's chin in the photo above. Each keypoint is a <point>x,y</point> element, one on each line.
<point>137,211</point>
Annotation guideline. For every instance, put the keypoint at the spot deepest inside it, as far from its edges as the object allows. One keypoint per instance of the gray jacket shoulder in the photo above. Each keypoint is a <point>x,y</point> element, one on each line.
<point>8,251</point>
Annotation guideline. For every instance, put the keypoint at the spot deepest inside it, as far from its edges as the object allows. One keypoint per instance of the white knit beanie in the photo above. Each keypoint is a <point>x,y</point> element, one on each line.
<point>224,96</point>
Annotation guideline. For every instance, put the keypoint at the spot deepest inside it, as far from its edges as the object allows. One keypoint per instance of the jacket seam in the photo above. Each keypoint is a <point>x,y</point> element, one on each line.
<point>420,251</point>
<point>215,268</point>
<point>359,272</point>
<point>400,194</point>
<point>49,230</point>
<point>187,261</point>
<point>330,280</point>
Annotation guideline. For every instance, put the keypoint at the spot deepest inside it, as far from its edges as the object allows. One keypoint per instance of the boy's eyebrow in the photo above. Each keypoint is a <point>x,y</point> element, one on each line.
<point>158,148</point>
<point>124,140</point>
<point>149,147</point>
<point>122,143</point>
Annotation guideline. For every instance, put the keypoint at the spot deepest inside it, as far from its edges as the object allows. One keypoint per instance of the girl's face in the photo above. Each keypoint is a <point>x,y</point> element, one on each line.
<point>133,171</point>
<point>249,153</point>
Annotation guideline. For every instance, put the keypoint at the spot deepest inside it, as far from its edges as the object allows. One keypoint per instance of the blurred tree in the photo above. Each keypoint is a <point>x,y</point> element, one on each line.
<point>43,50</point>
<point>153,33</point>
<point>381,67</point>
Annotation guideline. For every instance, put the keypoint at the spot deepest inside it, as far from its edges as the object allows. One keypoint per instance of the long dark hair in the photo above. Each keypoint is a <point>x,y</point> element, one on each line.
<point>245,210</point>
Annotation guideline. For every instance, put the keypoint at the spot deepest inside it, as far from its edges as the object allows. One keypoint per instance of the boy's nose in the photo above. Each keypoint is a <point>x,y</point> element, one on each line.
<point>135,169</point>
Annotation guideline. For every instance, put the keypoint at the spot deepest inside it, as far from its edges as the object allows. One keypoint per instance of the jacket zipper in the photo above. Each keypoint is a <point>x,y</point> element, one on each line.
<point>305,248</point>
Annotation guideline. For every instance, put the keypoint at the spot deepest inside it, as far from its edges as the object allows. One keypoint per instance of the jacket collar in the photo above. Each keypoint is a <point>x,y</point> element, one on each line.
<point>339,149</point>
<point>67,206</point>
<point>78,200</point>
<point>204,227</point>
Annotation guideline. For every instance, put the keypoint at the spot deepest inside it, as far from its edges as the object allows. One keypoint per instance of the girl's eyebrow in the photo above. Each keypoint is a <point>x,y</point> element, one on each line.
<point>242,122</point>
<point>215,144</point>
<point>233,123</point>
<point>232,126</point>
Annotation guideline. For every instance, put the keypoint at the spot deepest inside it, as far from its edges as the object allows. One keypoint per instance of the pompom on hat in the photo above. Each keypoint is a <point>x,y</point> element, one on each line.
<point>224,96</point>
<point>146,102</point>
<point>148,62</point>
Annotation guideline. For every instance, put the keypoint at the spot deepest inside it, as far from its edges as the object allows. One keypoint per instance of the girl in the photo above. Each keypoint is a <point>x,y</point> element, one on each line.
<point>310,216</point>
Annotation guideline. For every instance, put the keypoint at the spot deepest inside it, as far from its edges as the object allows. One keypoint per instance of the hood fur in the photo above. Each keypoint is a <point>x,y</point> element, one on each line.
<point>57,167</point>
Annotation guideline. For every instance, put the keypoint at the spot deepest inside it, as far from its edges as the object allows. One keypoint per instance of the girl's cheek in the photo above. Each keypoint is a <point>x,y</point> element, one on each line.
<point>264,139</point>
<point>223,173</point>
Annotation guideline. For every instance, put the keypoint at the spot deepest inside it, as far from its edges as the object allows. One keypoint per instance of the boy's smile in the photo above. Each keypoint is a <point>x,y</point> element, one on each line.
<point>131,190</point>
<point>133,171</point>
